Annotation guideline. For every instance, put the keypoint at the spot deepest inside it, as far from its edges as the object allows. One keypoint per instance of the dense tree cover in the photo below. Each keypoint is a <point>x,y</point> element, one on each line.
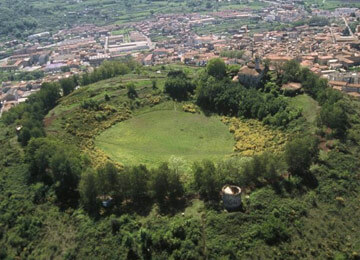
<point>272,223</point>
<point>258,171</point>
<point>318,21</point>
<point>216,68</point>
<point>109,69</point>
<point>18,76</point>
<point>230,98</point>
<point>300,154</point>
<point>19,26</point>
<point>68,85</point>
<point>178,86</point>
<point>132,187</point>
<point>166,185</point>
<point>232,54</point>
<point>333,109</point>
<point>56,165</point>
<point>28,116</point>
<point>206,182</point>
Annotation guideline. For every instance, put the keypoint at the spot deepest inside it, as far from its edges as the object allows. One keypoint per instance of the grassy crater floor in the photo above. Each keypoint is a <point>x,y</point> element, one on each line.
<point>154,137</point>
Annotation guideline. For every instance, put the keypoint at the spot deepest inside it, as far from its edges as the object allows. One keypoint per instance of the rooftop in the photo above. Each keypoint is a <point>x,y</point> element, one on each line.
<point>231,190</point>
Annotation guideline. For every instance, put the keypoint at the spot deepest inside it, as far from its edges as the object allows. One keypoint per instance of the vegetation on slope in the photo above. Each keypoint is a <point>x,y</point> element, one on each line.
<point>297,203</point>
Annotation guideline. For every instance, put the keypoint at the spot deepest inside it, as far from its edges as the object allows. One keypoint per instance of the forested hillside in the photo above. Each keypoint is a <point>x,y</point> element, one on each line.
<point>64,197</point>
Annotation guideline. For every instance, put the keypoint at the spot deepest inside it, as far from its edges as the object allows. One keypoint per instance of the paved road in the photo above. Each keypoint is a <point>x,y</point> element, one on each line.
<point>347,25</point>
<point>332,35</point>
<point>1,110</point>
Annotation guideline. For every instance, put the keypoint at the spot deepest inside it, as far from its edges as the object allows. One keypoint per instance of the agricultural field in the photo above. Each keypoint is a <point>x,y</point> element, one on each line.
<point>39,15</point>
<point>333,4</point>
<point>154,137</point>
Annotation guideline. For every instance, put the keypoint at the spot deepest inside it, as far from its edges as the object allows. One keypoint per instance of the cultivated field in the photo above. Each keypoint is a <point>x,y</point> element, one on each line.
<point>154,137</point>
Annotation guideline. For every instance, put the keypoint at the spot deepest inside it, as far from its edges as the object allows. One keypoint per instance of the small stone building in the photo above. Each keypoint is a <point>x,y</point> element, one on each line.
<point>250,75</point>
<point>292,88</point>
<point>231,196</point>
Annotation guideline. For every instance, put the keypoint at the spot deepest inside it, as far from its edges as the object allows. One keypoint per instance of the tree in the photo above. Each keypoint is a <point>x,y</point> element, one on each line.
<point>24,136</point>
<point>216,68</point>
<point>159,184</point>
<point>65,69</point>
<point>166,185</point>
<point>233,70</point>
<point>138,178</point>
<point>208,91</point>
<point>335,117</point>
<point>66,169</point>
<point>175,189</point>
<point>36,132</point>
<point>48,95</point>
<point>55,165</point>
<point>178,88</point>
<point>38,155</point>
<point>319,21</point>
<point>346,32</point>
<point>107,180</point>
<point>300,154</point>
<point>206,182</point>
<point>154,84</point>
<point>85,79</point>
<point>88,192</point>
<point>131,91</point>
<point>274,230</point>
<point>291,71</point>
<point>68,85</point>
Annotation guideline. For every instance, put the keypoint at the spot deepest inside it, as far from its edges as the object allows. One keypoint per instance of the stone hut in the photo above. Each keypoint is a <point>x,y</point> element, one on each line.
<point>231,196</point>
<point>292,89</point>
<point>250,75</point>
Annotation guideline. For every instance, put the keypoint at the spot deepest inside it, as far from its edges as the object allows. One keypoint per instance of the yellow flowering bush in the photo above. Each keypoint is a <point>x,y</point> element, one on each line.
<point>191,108</point>
<point>252,137</point>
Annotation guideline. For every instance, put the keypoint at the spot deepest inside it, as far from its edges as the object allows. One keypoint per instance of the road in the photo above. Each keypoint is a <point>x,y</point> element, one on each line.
<point>1,109</point>
<point>347,25</point>
<point>332,35</point>
<point>106,43</point>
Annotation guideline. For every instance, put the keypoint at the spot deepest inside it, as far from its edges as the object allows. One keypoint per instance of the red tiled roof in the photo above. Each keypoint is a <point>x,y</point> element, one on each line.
<point>247,71</point>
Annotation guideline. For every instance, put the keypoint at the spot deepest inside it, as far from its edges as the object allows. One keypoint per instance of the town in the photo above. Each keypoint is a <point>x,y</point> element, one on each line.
<point>327,43</point>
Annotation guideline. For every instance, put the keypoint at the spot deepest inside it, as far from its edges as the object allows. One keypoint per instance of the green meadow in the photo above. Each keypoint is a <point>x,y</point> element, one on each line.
<point>154,137</point>
<point>310,109</point>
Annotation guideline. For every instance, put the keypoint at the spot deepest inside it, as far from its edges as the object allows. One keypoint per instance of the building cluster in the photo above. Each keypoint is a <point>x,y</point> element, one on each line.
<point>161,39</point>
<point>66,53</point>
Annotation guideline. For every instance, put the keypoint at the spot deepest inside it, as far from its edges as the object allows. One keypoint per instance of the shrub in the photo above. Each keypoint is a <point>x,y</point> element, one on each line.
<point>274,230</point>
<point>178,86</point>
<point>131,91</point>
